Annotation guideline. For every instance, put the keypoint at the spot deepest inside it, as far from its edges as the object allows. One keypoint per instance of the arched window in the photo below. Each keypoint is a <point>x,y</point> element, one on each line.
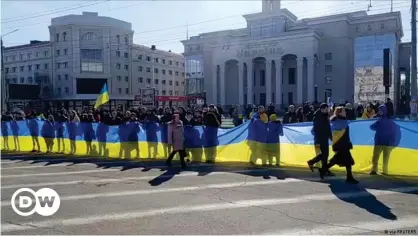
<point>89,36</point>
<point>126,40</point>
<point>64,36</point>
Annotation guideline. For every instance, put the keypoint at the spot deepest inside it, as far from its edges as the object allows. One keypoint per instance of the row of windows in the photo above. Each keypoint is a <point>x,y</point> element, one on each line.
<point>156,70</point>
<point>66,91</point>
<point>22,80</point>
<point>64,37</point>
<point>28,56</point>
<point>64,52</point>
<point>29,68</point>
<point>61,65</point>
<point>66,76</point>
<point>162,61</point>
<point>163,92</point>
<point>149,80</point>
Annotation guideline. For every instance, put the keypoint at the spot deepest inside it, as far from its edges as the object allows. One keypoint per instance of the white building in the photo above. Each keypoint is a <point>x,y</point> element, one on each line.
<point>84,52</point>
<point>285,60</point>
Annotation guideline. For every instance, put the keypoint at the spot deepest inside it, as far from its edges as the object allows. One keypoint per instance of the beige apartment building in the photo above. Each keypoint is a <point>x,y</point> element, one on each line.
<point>85,52</point>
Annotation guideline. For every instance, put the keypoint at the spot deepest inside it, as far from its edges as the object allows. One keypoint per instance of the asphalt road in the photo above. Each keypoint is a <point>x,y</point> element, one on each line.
<point>121,197</point>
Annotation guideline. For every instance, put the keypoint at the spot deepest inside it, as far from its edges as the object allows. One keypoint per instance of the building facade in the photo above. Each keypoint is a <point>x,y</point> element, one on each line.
<point>85,52</point>
<point>282,60</point>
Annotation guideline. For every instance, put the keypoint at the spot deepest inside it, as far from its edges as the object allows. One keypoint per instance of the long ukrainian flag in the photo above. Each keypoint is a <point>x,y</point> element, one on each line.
<point>103,98</point>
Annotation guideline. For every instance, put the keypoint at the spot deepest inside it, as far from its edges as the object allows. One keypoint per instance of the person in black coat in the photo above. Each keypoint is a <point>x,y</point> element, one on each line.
<point>341,145</point>
<point>389,107</point>
<point>290,115</point>
<point>322,133</point>
<point>350,113</point>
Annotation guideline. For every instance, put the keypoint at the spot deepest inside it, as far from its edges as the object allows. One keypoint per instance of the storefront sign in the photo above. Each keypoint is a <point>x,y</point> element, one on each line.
<point>171,98</point>
<point>148,97</point>
<point>259,52</point>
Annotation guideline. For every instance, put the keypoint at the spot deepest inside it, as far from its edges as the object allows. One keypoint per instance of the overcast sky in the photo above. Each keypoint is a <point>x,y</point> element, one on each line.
<point>167,19</point>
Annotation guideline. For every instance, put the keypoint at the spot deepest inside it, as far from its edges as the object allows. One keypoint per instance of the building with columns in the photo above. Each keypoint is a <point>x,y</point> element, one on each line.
<point>284,60</point>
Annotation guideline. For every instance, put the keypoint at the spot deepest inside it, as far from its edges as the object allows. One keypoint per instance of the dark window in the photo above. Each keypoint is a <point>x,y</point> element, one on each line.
<point>254,79</point>
<point>327,93</point>
<point>290,98</point>
<point>24,91</point>
<point>90,86</point>
<point>156,70</point>
<point>148,81</point>
<point>156,81</point>
<point>328,56</point>
<point>148,69</point>
<point>126,55</point>
<point>262,78</point>
<point>292,76</point>
<point>140,80</point>
<point>328,69</point>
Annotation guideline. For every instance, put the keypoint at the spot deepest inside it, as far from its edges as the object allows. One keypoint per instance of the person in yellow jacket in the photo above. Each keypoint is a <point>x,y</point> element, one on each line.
<point>368,112</point>
<point>263,116</point>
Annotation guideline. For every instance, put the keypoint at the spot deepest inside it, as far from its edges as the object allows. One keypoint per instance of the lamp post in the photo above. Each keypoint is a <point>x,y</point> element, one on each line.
<point>3,77</point>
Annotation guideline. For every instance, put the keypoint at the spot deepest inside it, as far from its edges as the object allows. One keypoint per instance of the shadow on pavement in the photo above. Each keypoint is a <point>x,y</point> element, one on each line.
<point>337,185</point>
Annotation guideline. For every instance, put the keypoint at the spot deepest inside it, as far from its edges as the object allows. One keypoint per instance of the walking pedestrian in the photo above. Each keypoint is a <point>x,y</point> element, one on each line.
<point>322,133</point>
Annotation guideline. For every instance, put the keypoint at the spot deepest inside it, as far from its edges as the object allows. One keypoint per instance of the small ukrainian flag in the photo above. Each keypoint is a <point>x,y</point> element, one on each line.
<point>103,98</point>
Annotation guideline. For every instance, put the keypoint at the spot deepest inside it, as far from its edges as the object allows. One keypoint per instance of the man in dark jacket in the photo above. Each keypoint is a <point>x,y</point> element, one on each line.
<point>322,133</point>
<point>290,115</point>
<point>389,107</point>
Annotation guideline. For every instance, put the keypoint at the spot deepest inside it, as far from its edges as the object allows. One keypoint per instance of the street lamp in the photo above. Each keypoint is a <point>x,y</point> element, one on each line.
<point>3,79</point>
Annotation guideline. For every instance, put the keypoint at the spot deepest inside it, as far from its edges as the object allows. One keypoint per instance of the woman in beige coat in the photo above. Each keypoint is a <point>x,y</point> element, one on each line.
<point>176,139</point>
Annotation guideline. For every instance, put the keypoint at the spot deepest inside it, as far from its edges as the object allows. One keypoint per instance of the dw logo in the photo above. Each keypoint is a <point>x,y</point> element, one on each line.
<point>46,202</point>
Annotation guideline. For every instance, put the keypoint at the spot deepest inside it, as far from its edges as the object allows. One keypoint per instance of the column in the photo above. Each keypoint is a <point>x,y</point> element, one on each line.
<point>222,80</point>
<point>311,78</point>
<point>249,81</point>
<point>278,93</point>
<point>268,81</point>
<point>299,81</point>
<point>241,83</point>
<point>215,84</point>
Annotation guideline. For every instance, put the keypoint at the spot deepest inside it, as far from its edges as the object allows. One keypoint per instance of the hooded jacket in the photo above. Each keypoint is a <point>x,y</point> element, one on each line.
<point>386,130</point>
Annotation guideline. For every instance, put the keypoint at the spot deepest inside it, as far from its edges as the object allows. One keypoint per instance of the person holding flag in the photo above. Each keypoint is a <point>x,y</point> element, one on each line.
<point>103,98</point>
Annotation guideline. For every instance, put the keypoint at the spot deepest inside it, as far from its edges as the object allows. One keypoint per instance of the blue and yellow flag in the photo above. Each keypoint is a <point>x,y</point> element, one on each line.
<point>103,98</point>
<point>338,128</point>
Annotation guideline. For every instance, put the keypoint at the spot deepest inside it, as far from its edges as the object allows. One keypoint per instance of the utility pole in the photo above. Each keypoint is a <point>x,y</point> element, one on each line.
<point>3,79</point>
<point>414,58</point>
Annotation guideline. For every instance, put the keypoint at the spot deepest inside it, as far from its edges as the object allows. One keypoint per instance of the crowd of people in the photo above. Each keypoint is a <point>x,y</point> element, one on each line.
<point>208,116</point>
<point>306,112</point>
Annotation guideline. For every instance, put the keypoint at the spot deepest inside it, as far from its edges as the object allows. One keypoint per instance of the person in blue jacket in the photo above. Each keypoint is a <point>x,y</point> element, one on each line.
<point>386,138</point>
<point>274,131</point>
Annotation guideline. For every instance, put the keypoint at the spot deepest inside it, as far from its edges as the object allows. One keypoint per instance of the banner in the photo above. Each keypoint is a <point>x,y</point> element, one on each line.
<point>251,142</point>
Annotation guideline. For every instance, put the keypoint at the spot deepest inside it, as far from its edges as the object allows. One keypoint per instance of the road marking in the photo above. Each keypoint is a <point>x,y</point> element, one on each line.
<point>8,161</point>
<point>100,169</point>
<point>58,173</point>
<point>168,190</point>
<point>93,219</point>
<point>113,180</point>
<point>70,164</point>
<point>354,228</point>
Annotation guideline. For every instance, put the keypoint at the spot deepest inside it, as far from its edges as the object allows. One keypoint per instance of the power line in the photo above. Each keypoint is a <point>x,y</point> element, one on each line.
<point>382,6</point>
<point>46,14</point>
<point>179,26</point>
<point>43,12</point>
